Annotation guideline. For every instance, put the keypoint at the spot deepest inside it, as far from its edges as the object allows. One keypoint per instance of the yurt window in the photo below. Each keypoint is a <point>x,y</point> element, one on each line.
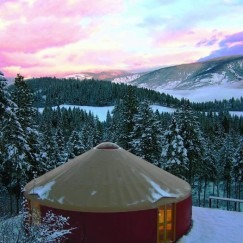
<point>35,213</point>
<point>165,224</point>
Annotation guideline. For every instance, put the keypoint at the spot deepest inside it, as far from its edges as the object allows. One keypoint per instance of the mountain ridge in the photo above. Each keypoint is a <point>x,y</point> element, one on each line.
<point>217,72</point>
<point>224,71</point>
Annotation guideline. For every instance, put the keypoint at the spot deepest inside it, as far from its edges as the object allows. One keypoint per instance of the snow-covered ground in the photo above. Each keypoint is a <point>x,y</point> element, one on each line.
<point>215,226</point>
<point>101,112</point>
<point>162,108</point>
<point>236,113</point>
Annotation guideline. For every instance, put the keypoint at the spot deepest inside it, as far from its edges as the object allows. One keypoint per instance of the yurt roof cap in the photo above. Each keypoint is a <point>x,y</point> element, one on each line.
<point>107,178</point>
<point>107,145</point>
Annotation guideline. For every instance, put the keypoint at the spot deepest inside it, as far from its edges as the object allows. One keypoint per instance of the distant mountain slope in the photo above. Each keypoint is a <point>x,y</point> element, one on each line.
<point>127,78</point>
<point>105,75</point>
<point>78,76</point>
<point>221,71</point>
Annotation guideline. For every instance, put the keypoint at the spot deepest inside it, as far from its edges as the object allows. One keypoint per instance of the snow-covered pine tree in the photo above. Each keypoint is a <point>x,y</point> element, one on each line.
<point>5,100</point>
<point>123,119</point>
<point>15,150</point>
<point>215,141</point>
<point>227,160</point>
<point>115,122</point>
<point>210,172</point>
<point>174,154</point>
<point>26,113</point>
<point>75,145</point>
<point>237,169</point>
<point>194,143</point>
<point>97,131</point>
<point>108,134</point>
<point>145,136</point>
<point>91,132</point>
<point>61,150</point>
<point>49,147</point>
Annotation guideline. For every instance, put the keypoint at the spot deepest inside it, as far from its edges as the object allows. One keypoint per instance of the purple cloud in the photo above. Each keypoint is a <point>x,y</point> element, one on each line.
<point>207,42</point>
<point>229,46</point>
<point>237,37</point>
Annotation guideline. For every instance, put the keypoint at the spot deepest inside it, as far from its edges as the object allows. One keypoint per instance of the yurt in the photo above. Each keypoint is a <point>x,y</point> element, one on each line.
<point>113,196</point>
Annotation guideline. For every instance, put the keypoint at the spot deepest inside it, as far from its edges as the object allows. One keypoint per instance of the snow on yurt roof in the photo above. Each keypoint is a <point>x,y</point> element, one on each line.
<point>107,178</point>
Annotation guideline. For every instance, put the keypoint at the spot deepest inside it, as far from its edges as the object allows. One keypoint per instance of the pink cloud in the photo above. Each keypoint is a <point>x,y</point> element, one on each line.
<point>61,63</point>
<point>170,37</point>
<point>40,33</point>
<point>42,24</point>
<point>26,60</point>
<point>77,7</point>
<point>71,8</point>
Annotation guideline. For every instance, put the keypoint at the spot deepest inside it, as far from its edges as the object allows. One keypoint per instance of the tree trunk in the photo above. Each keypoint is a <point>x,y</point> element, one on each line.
<point>204,192</point>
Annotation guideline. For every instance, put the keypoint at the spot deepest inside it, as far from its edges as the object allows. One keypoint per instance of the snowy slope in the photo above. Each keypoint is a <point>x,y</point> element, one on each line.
<point>215,226</point>
<point>78,76</point>
<point>105,75</point>
<point>216,72</point>
<point>127,78</point>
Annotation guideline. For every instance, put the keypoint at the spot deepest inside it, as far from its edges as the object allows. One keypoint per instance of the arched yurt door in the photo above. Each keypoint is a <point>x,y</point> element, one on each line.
<point>166,223</point>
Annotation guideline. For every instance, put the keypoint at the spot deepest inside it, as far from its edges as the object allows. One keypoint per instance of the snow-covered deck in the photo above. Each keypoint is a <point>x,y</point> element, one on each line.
<point>214,226</point>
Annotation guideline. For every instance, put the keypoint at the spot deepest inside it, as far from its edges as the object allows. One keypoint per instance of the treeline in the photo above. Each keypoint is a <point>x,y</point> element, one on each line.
<point>53,91</point>
<point>233,104</point>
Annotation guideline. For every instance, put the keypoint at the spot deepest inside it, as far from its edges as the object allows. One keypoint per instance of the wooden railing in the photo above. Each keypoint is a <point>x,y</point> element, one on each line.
<point>236,201</point>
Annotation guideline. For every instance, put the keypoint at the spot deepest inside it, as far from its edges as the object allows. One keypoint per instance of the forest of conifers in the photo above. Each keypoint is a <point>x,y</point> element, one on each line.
<point>200,142</point>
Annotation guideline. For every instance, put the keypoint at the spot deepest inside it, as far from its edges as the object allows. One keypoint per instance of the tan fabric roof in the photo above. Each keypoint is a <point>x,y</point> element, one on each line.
<point>107,179</point>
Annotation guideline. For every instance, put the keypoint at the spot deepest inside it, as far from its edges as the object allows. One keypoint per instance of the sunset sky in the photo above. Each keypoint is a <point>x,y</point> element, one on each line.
<point>61,37</point>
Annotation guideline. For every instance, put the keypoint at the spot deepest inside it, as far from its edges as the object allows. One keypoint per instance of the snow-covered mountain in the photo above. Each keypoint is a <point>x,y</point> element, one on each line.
<point>127,78</point>
<point>227,71</point>
<point>78,76</point>
<point>105,75</point>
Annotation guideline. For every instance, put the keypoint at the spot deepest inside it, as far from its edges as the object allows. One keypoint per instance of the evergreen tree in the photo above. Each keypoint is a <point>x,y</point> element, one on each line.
<point>61,152</point>
<point>5,101</point>
<point>50,148</point>
<point>115,125</point>
<point>23,97</point>
<point>15,151</point>
<point>123,119</point>
<point>144,138</point>
<point>86,137</point>
<point>75,145</point>
<point>237,168</point>
<point>210,172</point>
<point>194,143</point>
<point>108,134</point>
<point>174,154</point>
<point>97,131</point>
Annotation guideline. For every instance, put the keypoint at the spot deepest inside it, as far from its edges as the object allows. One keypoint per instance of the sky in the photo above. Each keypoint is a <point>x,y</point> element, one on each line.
<point>58,38</point>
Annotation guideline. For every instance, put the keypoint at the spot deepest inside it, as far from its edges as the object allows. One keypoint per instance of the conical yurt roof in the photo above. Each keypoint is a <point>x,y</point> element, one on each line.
<point>107,178</point>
